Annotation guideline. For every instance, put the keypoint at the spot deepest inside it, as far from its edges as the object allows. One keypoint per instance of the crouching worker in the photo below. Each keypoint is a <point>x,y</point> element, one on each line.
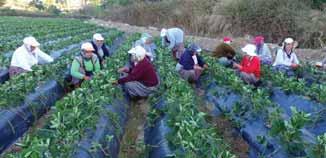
<point>263,50</point>
<point>225,53</point>
<point>100,48</point>
<point>249,67</point>
<point>83,66</point>
<point>191,66</point>
<point>141,80</point>
<point>286,60</point>
<point>146,41</point>
<point>173,38</point>
<point>27,56</point>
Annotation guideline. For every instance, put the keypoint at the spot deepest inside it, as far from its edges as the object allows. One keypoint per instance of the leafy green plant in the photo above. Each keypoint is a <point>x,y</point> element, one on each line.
<point>259,103</point>
<point>189,130</point>
<point>80,110</point>
<point>318,92</point>
<point>14,91</point>
<point>289,131</point>
<point>319,149</point>
<point>297,86</point>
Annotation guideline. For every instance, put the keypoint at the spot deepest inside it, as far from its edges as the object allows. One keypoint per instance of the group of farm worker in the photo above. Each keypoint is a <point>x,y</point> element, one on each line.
<point>190,65</point>
<point>257,53</point>
<point>139,77</point>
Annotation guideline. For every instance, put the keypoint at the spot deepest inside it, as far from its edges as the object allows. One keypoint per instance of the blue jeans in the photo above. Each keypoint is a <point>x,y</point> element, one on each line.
<point>225,61</point>
<point>287,70</point>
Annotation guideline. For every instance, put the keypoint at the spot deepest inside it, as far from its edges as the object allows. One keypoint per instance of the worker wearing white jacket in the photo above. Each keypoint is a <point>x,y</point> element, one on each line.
<point>27,56</point>
<point>286,60</point>
<point>173,37</point>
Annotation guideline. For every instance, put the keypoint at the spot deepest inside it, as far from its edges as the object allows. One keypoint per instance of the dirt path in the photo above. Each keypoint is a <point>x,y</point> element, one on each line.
<point>208,43</point>
<point>226,130</point>
<point>132,144</point>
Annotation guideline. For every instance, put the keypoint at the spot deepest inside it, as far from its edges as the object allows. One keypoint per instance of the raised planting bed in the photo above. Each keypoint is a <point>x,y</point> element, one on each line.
<point>274,124</point>
<point>104,141</point>
<point>74,127</point>
<point>16,121</point>
<point>179,128</point>
<point>67,46</point>
<point>34,106</point>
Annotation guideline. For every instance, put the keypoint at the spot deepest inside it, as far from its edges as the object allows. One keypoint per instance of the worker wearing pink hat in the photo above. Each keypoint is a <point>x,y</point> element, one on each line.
<point>263,50</point>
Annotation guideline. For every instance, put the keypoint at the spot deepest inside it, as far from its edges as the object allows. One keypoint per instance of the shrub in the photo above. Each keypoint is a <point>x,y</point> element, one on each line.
<point>319,4</point>
<point>115,2</point>
<point>2,2</point>
<point>37,4</point>
<point>195,16</point>
<point>273,18</point>
<point>53,10</point>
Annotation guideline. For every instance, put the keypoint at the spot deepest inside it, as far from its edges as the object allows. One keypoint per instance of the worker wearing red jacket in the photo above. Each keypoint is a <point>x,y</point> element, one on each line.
<point>249,67</point>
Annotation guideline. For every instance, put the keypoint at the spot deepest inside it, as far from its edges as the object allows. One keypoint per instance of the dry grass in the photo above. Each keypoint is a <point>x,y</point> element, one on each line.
<point>197,17</point>
<point>274,19</point>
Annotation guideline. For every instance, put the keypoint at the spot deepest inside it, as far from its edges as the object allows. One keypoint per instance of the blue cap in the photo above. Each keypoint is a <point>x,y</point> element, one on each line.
<point>194,47</point>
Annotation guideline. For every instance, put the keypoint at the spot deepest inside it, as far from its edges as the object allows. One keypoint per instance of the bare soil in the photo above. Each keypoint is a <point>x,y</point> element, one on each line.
<point>226,130</point>
<point>132,144</point>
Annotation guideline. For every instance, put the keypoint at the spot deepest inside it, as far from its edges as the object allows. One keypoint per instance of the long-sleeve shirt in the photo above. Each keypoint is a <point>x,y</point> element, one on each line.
<point>76,67</point>
<point>150,48</point>
<point>264,52</point>
<point>283,59</point>
<point>24,59</point>
<point>224,50</point>
<point>175,36</point>
<point>251,66</point>
<point>143,72</point>
<point>187,61</point>
<point>101,52</point>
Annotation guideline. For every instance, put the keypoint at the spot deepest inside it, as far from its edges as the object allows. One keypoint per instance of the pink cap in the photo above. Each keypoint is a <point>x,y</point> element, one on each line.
<point>227,39</point>
<point>259,39</point>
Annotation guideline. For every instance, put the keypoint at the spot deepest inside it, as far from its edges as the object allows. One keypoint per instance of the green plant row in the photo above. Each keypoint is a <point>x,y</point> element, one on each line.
<point>297,86</point>
<point>14,90</point>
<point>17,25</point>
<point>257,103</point>
<point>191,135</point>
<point>43,34</point>
<point>76,113</point>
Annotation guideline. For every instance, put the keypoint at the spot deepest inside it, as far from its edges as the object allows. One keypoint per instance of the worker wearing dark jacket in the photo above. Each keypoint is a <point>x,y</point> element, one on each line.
<point>141,80</point>
<point>100,48</point>
<point>191,66</point>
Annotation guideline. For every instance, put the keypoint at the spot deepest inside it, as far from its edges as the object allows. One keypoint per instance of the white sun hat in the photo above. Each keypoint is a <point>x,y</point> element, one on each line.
<point>98,37</point>
<point>87,46</point>
<point>31,41</point>
<point>132,51</point>
<point>319,64</point>
<point>138,51</point>
<point>250,49</point>
<point>288,40</point>
<point>164,32</point>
